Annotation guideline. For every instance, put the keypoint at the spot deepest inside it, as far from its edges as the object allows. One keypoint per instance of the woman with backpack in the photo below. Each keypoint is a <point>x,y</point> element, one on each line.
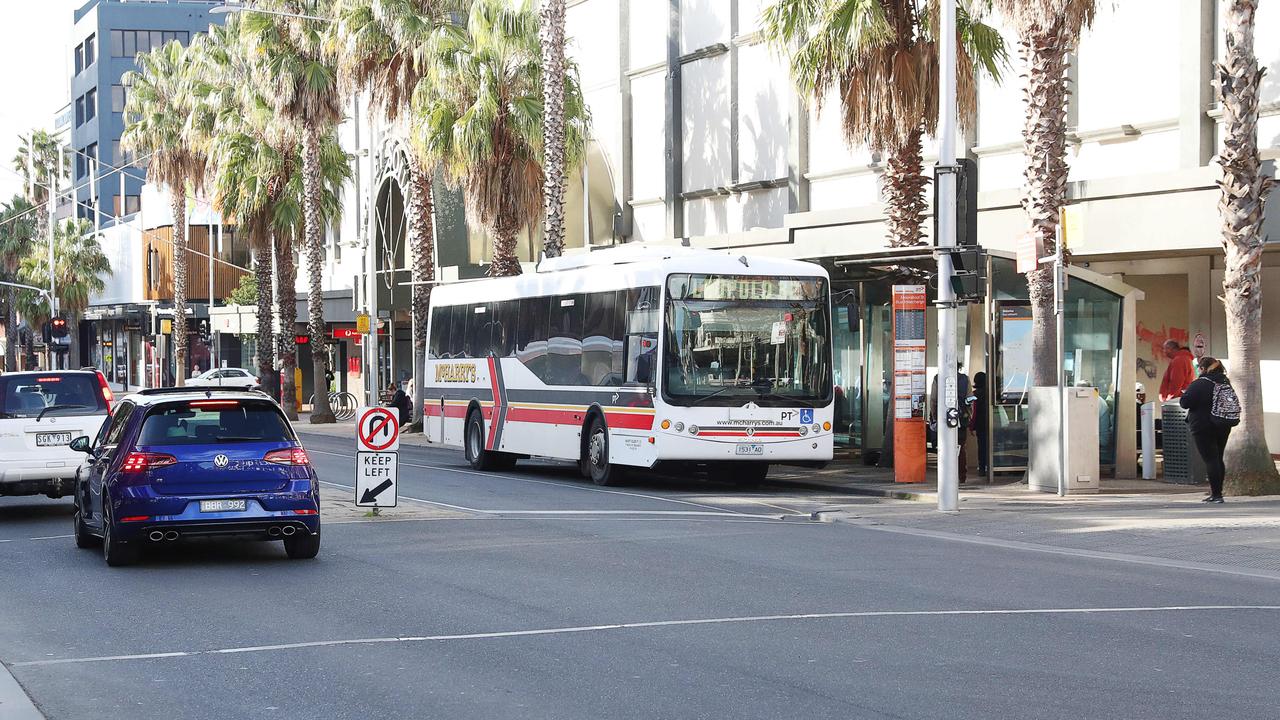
<point>1212,410</point>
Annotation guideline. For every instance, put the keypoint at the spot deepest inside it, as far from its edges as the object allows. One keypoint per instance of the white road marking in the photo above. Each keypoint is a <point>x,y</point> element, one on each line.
<point>544,482</point>
<point>45,537</point>
<point>647,625</point>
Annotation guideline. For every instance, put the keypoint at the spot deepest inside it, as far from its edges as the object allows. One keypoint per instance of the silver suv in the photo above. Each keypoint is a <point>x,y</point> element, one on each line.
<point>40,414</point>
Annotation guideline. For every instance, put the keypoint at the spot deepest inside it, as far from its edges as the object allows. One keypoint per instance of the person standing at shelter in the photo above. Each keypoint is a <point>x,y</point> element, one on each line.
<point>1212,410</point>
<point>978,418</point>
<point>1179,374</point>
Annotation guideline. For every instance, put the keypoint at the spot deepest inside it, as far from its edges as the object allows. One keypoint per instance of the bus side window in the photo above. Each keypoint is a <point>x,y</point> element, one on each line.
<point>600,330</point>
<point>439,340</point>
<point>564,344</point>
<point>479,330</point>
<point>531,334</point>
<point>458,330</point>
<point>506,317</point>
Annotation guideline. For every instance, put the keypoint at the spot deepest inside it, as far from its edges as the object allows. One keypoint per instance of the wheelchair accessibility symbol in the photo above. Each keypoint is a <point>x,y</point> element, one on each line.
<point>806,416</point>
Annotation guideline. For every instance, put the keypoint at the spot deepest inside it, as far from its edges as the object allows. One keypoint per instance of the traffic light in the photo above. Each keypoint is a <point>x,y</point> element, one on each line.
<point>969,274</point>
<point>58,327</point>
<point>46,333</point>
<point>966,203</point>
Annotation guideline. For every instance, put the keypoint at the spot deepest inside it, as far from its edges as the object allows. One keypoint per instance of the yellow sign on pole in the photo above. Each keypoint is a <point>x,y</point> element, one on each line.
<point>362,324</point>
<point>166,326</point>
<point>1071,219</point>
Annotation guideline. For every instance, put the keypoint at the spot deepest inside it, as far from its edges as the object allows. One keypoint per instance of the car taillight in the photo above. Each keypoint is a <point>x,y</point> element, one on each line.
<point>288,456</point>
<point>107,396</point>
<point>136,462</point>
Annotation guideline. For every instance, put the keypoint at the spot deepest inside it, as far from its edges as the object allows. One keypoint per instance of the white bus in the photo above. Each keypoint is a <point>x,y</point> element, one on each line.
<point>634,356</point>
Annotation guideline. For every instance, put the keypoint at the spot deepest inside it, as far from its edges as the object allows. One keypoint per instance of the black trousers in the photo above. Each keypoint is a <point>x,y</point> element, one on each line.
<point>1211,443</point>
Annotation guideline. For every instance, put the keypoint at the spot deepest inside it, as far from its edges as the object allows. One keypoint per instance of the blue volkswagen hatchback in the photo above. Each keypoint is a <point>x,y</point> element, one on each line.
<point>181,462</point>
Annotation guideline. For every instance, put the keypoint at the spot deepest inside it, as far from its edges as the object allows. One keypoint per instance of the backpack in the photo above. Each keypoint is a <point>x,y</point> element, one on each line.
<point>1225,408</point>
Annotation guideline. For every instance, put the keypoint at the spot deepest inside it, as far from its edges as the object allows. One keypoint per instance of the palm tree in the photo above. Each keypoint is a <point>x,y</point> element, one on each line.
<point>79,269</point>
<point>881,57</point>
<point>1047,31</point>
<point>1244,192</point>
<point>17,230</point>
<point>159,104</point>
<point>301,81</point>
<point>478,113</point>
<point>554,74</point>
<point>37,162</point>
<point>380,48</point>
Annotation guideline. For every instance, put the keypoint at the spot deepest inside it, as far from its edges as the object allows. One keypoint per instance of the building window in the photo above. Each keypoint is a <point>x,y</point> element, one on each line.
<point>79,111</point>
<point>80,166</point>
<point>90,50</point>
<point>119,96</point>
<point>80,58</point>
<point>128,43</point>
<point>90,105</point>
<point>132,204</point>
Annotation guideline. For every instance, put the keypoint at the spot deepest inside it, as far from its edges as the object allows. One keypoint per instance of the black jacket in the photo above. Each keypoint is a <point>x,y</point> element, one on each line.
<point>400,400</point>
<point>1198,402</point>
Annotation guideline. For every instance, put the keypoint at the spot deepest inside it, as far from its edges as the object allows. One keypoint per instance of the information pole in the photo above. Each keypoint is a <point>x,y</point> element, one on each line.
<point>909,456</point>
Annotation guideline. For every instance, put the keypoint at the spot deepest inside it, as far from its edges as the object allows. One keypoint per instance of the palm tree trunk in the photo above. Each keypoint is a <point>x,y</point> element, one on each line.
<point>1044,138</point>
<point>267,375</point>
<point>11,329</point>
<point>178,200</point>
<point>904,184</point>
<point>506,234</point>
<point>421,247</point>
<point>313,243</point>
<point>551,28</point>
<point>74,361</point>
<point>1244,191</point>
<point>287,294</point>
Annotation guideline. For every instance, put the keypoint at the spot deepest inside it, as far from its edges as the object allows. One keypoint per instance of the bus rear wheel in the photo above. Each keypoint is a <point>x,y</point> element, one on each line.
<point>596,456</point>
<point>473,447</point>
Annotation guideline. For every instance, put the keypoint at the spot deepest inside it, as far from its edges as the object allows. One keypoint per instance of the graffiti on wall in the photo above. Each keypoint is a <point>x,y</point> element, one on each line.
<point>1156,340</point>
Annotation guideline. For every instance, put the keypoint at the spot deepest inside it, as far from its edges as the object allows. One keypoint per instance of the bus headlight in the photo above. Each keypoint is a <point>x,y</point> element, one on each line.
<point>679,426</point>
<point>816,428</point>
<point>693,429</point>
<point>803,431</point>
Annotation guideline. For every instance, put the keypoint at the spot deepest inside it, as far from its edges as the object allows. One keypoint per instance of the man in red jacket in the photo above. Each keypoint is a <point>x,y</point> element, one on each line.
<point>1179,374</point>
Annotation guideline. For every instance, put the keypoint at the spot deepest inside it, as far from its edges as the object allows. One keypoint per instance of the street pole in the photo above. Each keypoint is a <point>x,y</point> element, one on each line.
<point>948,410</point>
<point>371,270</point>
<point>1059,298</point>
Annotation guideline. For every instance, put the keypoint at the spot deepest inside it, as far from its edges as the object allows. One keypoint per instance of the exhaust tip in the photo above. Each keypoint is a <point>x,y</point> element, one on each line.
<point>273,531</point>
<point>171,535</point>
<point>288,530</point>
<point>156,536</point>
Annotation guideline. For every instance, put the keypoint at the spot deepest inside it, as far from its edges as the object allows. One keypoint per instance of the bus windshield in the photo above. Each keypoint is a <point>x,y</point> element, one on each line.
<point>734,339</point>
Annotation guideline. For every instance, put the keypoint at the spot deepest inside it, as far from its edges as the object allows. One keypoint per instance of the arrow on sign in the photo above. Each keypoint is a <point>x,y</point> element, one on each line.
<point>372,493</point>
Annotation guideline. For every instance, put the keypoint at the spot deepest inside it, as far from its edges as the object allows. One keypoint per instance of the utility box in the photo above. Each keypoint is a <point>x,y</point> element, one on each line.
<point>1081,433</point>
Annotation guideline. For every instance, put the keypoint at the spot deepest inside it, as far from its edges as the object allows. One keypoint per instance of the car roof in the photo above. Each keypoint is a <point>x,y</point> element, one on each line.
<point>47,373</point>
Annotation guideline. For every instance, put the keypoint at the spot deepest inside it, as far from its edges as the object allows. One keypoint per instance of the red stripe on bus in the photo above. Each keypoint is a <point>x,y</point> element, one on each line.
<point>497,405</point>
<point>758,433</point>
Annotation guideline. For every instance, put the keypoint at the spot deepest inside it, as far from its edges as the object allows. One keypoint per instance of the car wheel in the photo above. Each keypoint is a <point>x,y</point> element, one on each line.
<point>302,546</point>
<point>599,469</point>
<point>115,552</point>
<point>84,538</point>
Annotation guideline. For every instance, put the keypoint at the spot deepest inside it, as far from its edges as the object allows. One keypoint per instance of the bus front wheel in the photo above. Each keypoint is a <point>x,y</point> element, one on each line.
<point>596,456</point>
<point>473,447</point>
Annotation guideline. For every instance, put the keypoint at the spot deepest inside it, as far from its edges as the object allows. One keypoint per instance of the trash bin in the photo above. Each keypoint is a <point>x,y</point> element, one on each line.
<point>1182,464</point>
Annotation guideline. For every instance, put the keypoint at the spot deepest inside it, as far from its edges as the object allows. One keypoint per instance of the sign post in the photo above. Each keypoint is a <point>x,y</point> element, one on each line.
<point>377,443</point>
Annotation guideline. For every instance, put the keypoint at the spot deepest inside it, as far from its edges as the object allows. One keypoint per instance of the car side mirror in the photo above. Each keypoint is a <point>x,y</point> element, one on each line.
<point>81,444</point>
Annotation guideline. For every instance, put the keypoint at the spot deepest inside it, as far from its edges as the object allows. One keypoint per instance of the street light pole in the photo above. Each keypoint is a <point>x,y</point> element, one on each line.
<point>371,269</point>
<point>948,410</point>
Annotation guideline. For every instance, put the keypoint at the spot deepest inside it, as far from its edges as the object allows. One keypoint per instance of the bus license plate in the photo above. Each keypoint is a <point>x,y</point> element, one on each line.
<point>53,439</point>
<point>222,505</point>
<point>749,449</point>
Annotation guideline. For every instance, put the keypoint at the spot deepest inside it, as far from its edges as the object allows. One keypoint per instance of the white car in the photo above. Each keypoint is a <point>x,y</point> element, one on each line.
<point>225,377</point>
<point>40,414</point>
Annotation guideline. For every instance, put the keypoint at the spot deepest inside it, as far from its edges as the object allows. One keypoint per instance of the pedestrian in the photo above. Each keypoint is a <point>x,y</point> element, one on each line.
<point>1212,410</point>
<point>979,417</point>
<point>400,401</point>
<point>962,393</point>
<point>1179,374</point>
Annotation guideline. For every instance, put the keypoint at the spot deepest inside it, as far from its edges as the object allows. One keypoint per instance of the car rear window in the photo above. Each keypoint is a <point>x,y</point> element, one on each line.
<point>205,422</point>
<point>24,396</point>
